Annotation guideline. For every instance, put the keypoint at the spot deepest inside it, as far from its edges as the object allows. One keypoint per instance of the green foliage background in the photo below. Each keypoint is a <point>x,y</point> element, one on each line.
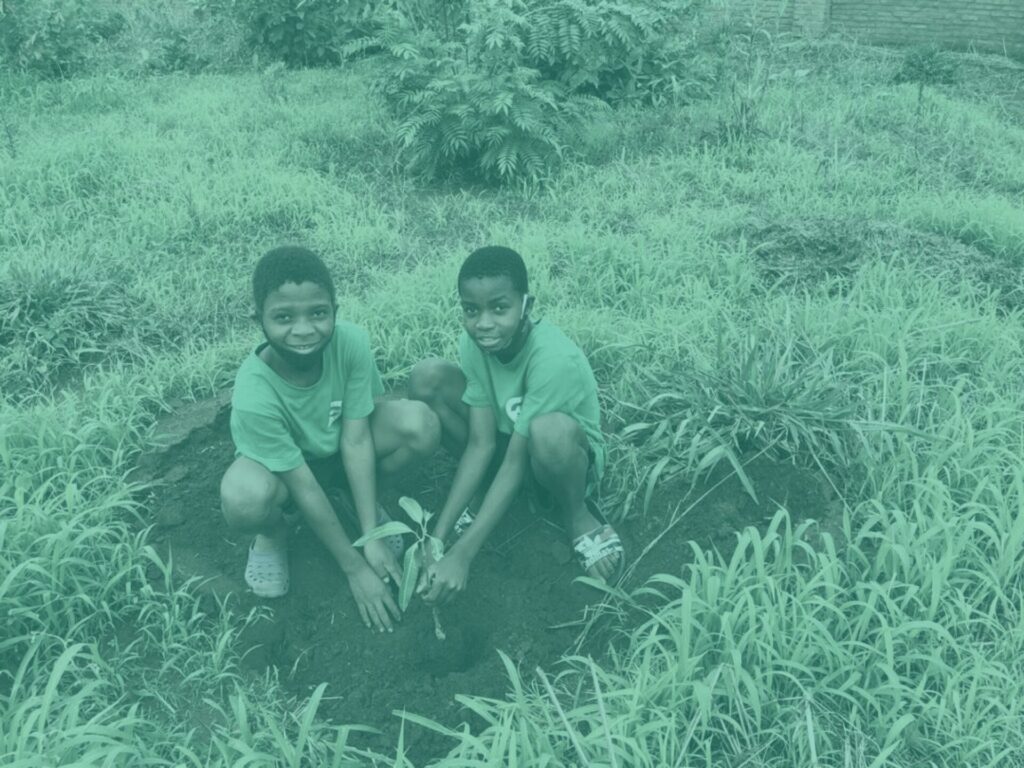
<point>810,261</point>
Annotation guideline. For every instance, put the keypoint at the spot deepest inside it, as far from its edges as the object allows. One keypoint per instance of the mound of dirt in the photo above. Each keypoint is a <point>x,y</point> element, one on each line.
<point>521,597</point>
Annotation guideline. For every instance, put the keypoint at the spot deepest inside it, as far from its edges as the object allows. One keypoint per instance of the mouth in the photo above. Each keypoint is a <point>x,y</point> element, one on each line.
<point>488,342</point>
<point>303,348</point>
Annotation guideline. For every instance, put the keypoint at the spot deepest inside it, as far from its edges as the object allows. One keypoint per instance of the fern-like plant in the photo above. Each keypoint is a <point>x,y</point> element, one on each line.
<point>497,89</point>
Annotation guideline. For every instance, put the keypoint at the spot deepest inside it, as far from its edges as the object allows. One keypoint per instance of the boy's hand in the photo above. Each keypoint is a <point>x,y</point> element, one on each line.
<point>373,599</point>
<point>427,562</point>
<point>444,579</point>
<point>382,560</point>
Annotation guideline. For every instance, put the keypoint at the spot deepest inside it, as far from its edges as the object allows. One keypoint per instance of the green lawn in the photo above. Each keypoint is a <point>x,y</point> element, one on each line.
<point>834,280</point>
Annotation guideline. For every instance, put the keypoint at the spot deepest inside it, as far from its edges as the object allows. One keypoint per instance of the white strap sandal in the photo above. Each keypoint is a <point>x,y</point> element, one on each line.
<point>591,548</point>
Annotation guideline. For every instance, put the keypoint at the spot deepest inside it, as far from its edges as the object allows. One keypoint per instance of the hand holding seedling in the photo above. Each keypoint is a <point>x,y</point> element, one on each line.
<point>425,546</point>
<point>444,579</point>
<point>382,560</point>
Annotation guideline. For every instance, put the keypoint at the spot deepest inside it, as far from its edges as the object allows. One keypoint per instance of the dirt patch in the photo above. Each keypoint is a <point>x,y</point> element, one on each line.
<point>521,597</point>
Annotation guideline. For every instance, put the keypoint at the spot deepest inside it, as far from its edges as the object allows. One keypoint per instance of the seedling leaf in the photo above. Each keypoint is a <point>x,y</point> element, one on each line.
<point>412,509</point>
<point>381,531</point>
<point>410,575</point>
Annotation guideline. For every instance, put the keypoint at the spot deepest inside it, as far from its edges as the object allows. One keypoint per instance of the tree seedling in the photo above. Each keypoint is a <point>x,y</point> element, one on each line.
<point>412,561</point>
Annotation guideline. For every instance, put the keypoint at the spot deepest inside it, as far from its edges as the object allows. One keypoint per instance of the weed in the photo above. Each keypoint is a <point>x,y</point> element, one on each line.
<point>55,319</point>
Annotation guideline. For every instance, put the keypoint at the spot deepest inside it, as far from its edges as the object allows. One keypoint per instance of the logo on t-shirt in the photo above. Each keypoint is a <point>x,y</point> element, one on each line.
<point>512,408</point>
<point>334,413</point>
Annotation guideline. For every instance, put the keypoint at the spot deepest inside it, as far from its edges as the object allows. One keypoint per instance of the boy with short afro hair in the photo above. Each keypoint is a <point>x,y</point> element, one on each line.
<point>524,397</point>
<point>306,414</point>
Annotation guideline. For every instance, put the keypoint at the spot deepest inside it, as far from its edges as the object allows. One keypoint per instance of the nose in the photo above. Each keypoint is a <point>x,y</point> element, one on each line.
<point>303,327</point>
<point>484,321</point>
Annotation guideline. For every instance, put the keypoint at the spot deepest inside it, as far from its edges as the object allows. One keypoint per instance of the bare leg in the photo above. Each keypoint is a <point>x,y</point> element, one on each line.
<point>559,458</point>
<point>404,432</point>
<point>251,498</point>
<point>440,384</point>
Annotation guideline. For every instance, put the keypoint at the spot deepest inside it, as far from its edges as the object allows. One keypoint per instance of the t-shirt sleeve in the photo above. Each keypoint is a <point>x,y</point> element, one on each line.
<point>265,439</point>
<point>474,369</point>
<point>362,379</point>
<point>552,384</point>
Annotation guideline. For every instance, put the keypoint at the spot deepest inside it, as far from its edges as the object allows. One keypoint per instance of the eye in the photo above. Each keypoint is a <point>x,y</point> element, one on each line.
<point>319,313</point>
<point>469,311</point>
<point>282,318</point>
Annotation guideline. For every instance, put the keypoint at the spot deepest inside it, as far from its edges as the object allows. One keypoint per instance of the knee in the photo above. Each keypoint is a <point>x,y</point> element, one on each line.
<point>555,441</point>
<point>419,428</point>
<point>248,500</point>
<point>428,379</point>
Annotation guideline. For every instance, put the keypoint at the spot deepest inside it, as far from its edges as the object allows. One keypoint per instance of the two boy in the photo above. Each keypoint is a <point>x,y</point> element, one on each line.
<point>308,414</point>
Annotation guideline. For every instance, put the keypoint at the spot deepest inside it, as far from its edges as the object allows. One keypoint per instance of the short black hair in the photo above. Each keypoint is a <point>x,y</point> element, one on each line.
<point>495,261</point>
<point>288,264</point>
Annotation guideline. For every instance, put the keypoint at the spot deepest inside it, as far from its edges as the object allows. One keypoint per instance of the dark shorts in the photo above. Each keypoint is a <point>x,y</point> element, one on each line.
<point>329,472</point>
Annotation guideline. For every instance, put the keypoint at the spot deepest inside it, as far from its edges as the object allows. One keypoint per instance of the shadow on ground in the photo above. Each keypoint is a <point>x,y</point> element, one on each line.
<point>521,597</point>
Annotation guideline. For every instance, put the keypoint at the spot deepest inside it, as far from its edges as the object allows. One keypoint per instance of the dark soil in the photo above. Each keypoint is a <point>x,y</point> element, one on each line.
<point>521,597</point>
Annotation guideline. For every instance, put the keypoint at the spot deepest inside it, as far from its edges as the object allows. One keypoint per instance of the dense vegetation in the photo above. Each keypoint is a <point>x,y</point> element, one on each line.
<point>811,251</point>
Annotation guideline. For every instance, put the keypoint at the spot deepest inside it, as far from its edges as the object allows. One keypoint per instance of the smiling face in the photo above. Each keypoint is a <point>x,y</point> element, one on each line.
<point>298,321</point>
<point>493,314</point>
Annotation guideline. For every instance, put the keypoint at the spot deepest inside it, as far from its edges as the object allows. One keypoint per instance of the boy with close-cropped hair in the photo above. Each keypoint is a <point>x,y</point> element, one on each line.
<point>522,404</point>
<point>307,415</point>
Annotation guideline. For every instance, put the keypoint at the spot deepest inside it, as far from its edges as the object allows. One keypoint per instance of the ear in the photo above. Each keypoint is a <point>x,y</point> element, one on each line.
<point>528,300</point>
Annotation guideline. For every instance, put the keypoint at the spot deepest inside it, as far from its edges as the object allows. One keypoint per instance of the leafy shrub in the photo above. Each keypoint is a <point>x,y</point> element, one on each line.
<point>496,122</point>
<point>297,32</point>
<point>615,51</point>
<point>497,88</point>
<point>176,36</point>
<point>55,38</point>
<point>62,38</point>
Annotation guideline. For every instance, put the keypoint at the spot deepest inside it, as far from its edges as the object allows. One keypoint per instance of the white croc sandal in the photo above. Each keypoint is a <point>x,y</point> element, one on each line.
<point>266,573</point>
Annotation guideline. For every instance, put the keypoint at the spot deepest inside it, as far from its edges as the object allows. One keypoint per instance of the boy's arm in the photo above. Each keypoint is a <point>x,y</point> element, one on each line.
<point>450,574</point>
<point>471,470</point>
<point>372,597</point>
<point>498,499</point>
<point>359,459</point>
<point>360,463</point>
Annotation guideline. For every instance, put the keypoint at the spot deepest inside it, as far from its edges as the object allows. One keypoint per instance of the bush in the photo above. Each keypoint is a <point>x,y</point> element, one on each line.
<point>177,36</point>
<point>63,38</point>
<point>497,89</point>
<point>299,33</point>
<point>55,38</point>
<point>480,118</point>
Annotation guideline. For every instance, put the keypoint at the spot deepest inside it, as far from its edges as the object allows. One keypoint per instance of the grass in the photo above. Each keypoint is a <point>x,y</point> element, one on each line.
<point>832,284</point>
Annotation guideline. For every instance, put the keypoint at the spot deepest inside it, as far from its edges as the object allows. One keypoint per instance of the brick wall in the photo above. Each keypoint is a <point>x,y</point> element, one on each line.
<point>985,24</point>
<point>994,25</point>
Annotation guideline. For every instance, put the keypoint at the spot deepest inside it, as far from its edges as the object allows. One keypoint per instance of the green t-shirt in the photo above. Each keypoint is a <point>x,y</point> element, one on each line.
<point>550,374</point>
<point>280,425</point>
